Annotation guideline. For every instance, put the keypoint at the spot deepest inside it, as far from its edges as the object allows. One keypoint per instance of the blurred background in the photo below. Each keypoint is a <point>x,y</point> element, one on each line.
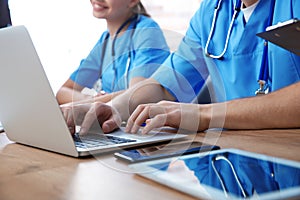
<point>64,31</point>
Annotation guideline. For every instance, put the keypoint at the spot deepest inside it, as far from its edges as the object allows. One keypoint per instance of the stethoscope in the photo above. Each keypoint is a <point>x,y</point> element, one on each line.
<point>237,9</point>
<point>98,84</point>
<point>264,70</point>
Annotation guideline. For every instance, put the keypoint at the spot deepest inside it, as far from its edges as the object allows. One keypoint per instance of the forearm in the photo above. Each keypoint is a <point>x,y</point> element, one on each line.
<point>280,109</point>
<point>148,91</point>
<point>99,98</point>
<point>67,95</point>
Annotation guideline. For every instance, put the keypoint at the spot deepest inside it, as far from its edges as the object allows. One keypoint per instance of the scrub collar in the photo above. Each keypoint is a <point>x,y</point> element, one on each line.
<point>249,10</point>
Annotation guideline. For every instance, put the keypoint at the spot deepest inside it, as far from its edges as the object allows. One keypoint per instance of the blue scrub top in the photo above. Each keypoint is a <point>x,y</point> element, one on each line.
<point>236,75</point>
<point>143,46</point>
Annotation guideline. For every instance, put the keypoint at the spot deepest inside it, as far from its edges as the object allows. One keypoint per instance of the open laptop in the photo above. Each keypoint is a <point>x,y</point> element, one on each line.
<point>30,113</point>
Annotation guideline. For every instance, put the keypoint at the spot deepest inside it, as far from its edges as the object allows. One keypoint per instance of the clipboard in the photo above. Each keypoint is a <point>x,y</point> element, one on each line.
<point>284,34</point>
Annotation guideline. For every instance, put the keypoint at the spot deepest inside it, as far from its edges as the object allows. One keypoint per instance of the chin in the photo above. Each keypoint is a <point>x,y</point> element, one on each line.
<point>99,16</point>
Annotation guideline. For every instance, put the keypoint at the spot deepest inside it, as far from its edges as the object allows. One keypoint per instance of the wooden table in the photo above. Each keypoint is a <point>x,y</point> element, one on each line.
<point>29,173</point>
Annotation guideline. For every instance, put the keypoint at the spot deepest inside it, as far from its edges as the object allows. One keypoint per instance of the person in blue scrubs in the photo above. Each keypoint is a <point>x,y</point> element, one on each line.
<point>226,51</point>
<point>130,51</point>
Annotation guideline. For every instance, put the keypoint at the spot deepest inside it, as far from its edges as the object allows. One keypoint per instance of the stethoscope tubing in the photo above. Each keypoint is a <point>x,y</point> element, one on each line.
<point>237,8</point>
<point>113,52</point>
<point>221,157</point>
<point>264,68</point>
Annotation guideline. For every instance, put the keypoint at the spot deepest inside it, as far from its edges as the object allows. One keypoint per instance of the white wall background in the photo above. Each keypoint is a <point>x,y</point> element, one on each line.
<point>64,31</point>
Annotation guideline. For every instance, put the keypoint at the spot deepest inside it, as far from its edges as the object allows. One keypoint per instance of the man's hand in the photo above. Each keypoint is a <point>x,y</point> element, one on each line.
<point>164,113</point>
<point>87,115</point>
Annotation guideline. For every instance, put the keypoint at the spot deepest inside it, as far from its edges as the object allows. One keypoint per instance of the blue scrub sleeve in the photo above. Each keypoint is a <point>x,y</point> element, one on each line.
<point>148,52</point>
<point>88,71</point>
<point>184,72</point>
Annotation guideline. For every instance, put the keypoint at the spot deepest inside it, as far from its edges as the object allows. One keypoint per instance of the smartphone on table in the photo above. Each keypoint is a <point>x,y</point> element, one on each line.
<point>163,151</point>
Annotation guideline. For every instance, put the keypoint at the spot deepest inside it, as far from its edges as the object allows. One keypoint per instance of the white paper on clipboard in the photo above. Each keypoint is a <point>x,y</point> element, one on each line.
<point>285,34</point>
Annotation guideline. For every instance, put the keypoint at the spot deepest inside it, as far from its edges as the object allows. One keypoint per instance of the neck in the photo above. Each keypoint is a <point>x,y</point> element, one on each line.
<point>113,26</point>
<point>247,3</point>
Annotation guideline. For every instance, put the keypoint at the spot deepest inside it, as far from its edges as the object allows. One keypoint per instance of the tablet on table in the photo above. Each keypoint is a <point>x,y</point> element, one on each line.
<point>226,173</point>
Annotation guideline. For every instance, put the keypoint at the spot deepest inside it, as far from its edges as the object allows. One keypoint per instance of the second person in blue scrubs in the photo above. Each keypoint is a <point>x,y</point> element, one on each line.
<point>130,50</point>
<point>228,52</point>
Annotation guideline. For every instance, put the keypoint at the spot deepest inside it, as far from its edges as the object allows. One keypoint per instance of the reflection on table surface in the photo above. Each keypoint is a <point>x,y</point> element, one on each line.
<point>234,175</point>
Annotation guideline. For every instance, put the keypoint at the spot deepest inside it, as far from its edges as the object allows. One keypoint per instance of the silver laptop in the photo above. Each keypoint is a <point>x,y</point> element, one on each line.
<point>30,113</point>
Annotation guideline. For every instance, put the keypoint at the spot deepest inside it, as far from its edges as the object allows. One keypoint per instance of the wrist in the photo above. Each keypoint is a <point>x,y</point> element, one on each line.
<point>120,109</point>
<point>214,115</point>
<point>205,111</point>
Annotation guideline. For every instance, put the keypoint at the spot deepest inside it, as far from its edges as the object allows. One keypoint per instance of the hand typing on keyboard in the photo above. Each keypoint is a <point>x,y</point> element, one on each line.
<point>90,115</point>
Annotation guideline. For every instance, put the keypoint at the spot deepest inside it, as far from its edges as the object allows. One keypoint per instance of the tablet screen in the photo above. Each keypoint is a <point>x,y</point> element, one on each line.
<point>231,175</point>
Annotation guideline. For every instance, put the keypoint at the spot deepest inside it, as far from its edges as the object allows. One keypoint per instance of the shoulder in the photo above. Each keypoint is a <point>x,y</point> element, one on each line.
<point>204,13</point>
<point>102,38</point>
<point>146,27</point>
<point>144,21</point>
<point>207,8</point>
<point>285,10</point>
<point>201,19</point>
<point>296,8</point>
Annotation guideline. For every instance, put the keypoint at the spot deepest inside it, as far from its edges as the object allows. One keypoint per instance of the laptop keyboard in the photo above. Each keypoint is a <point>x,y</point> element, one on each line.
<point>96,140</point>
